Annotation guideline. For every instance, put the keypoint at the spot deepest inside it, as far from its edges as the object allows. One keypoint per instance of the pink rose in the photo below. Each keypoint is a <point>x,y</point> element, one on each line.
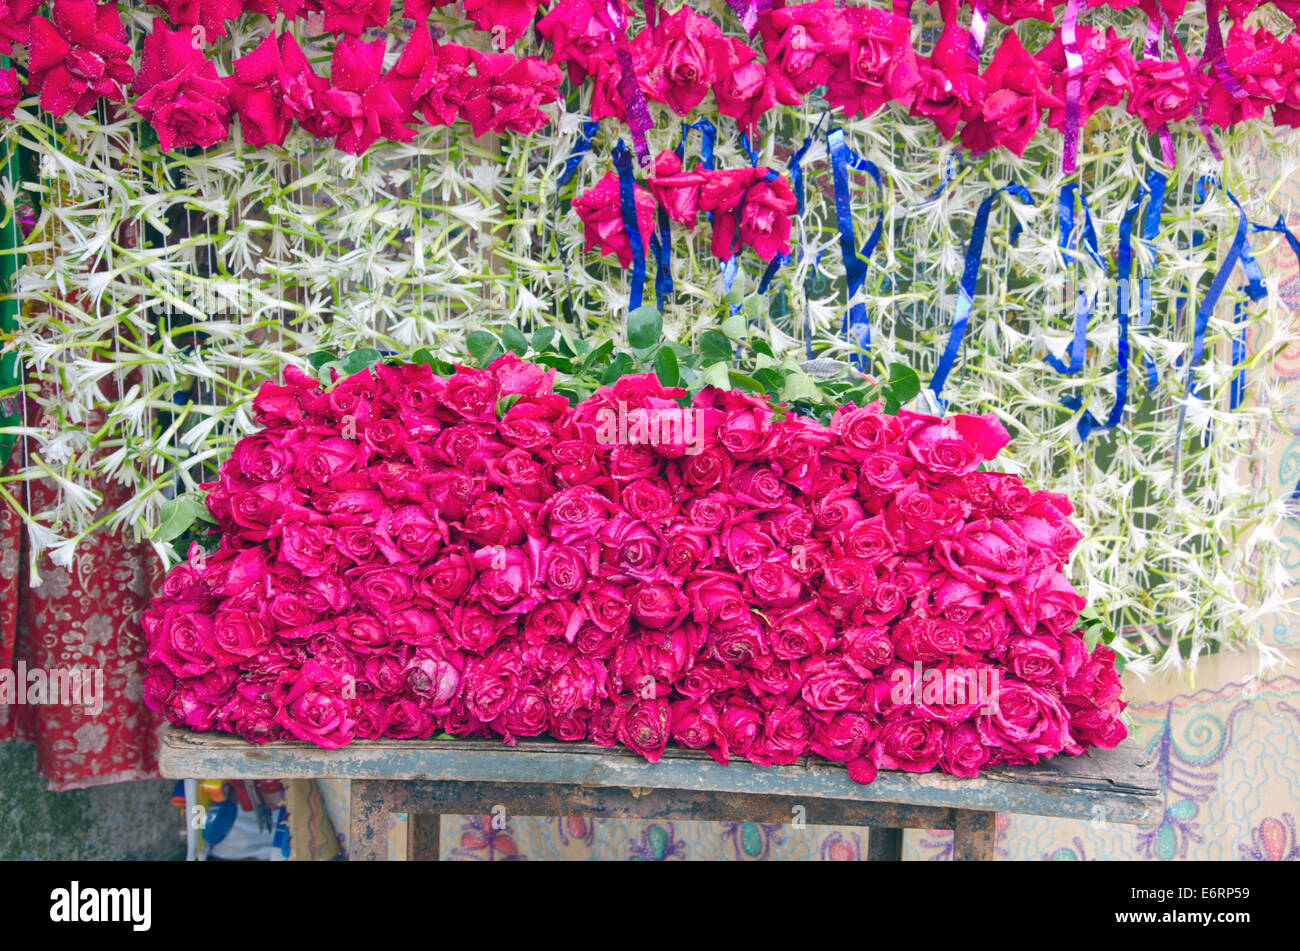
<point>680,59</point>
<point>750,206</point>
<point>910,744</point>
<point>1028,723</point>
<point>360,107</point>
<point>513,16</point>
<point>949,90</point>
<point>80,57</point>
<point>509,92</point>
<point>804,40</point>
<point>879,64</point>
<point>745,86</point>
<point>354,17</point>
<point>179,92</point>
<point>600,210</point>
<point>1161,92</point>
<point>312,706</point>
<point>676,190</point>
<point>644,727</point>
<point>11,92</point>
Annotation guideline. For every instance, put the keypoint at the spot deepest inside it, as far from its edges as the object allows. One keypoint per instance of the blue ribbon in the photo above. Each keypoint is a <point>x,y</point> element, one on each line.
<point>1083,305</point>
<point>1152,219</point>
<point>949,173</point>
<point>627,199</point>
<point>969,280</point>
<point>580,149</point>
<point>855,260</point>
<point>661,243</point>
<point>1154,191</point>
<point>795,166</point>
<point>1254,286</point>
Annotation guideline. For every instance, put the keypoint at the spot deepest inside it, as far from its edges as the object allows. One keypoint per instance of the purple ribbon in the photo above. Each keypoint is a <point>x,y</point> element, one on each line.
<point>979,26</point>
<point>1073,85</point>
<point>1215,53</point>
<point>1191,75</point>
<point>638,113</point>
<point>746,13</point>
<point>634,104</point>
<point>1151,50</point>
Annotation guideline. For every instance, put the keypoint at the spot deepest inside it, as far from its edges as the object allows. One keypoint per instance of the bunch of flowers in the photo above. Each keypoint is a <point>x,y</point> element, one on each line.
<point>81,57</point>
<point>748,206</point>
<point>861,58</point>
<point>403,553</point>
<point>864,57</point>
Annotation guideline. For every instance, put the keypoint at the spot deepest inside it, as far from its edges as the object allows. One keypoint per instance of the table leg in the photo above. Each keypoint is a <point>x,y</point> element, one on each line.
<point>368,838</point>
<point>422,833</point>
<point>884,844</point>
<point>973,835</point>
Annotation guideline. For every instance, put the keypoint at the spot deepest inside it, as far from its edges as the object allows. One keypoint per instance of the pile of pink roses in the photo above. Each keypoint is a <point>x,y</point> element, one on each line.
<point>403,554</point>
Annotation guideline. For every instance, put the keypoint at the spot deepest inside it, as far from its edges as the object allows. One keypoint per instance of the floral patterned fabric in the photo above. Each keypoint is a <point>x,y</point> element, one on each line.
<point>86,616</point>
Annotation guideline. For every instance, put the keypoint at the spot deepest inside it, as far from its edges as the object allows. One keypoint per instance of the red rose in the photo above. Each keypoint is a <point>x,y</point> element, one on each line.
<point>600,209</point>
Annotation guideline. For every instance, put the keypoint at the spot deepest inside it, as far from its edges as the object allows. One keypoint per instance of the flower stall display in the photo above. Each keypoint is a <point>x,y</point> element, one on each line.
<point>1063,214</point>
<point>405,554</point>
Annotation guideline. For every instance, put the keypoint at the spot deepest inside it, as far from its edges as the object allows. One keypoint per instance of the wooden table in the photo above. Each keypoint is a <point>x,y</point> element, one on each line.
<point>428,778</point>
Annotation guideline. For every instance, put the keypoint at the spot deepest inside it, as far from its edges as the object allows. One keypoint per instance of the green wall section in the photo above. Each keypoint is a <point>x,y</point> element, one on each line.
<point>123,821</point>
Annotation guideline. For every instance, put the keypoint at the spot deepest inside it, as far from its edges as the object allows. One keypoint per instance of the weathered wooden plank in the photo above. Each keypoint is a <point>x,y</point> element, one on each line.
<point>507,800</point>
<point>372,801</point>
<point>973,836</point>
<point>423,832</point>
<point>885,844</point>
<point>1067,786</point>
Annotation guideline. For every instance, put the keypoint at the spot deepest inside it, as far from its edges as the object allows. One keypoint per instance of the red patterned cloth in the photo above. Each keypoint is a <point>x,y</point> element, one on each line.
<point>86,616</point>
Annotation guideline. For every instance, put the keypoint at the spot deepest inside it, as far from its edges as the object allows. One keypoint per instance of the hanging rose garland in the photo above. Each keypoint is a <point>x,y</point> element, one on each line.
<point>860,57</point>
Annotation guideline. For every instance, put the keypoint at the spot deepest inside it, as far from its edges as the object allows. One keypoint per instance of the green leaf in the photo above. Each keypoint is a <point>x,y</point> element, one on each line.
<point>575,392</point>
<point>761,347</point>
<point>714,347</point>
<point>892,406</point>
<point>599,355</point>
<point>175,516</point>
<point>904,384</point>
<point>620,366</point>
<point>542,338</point>
<point>645,326</point>
<point>325,372</point>
<point>801,386</point>
<point>505,402</point>
<point>716,375</point>
<point>736,296</point>
<point>552,360</point>
<point>734,326</point>
<point>666,367</point>
<point>319,358</point>
<point>359,360</point>
<point>755,309</point>
<point>480,345</point>
<point>740,381</point>
<point>514,340</point>
<point>1091,636</point>
<point>424,356</point>
<point>771,378</point>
